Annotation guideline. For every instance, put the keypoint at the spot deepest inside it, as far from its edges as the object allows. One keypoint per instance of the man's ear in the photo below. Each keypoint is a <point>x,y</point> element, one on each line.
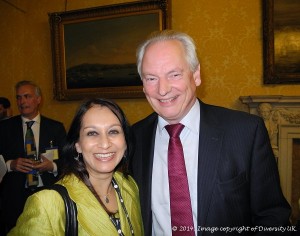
<point>197,76</point>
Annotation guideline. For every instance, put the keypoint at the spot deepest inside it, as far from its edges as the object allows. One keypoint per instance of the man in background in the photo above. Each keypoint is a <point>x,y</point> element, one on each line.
<point>229,168</point>
<point>47,133</point>
<point>4,108</point>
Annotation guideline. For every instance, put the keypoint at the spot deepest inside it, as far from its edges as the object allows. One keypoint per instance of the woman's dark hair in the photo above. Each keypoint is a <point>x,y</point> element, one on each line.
<point>72,164</point>
<point>5,102</point>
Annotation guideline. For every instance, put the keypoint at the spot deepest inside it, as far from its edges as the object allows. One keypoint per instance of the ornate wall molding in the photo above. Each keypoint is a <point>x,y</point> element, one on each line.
<point>282,119</point>
<point>276,110</point>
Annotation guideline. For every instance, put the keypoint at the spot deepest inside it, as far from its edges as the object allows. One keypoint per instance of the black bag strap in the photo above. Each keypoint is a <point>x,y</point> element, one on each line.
<point>70,208</point>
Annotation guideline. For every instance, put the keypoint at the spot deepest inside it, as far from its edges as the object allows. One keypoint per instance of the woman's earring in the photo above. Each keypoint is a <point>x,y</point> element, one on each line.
<point>77,157</point>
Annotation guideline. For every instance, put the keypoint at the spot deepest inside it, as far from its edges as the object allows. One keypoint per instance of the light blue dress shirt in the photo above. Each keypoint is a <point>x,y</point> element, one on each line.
<point>160,196</point>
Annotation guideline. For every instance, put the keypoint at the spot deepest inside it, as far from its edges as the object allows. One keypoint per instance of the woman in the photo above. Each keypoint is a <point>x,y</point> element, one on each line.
<point>98,144</point>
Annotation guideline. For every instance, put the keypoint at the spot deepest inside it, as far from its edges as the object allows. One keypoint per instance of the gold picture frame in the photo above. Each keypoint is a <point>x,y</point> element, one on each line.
<point>94,49</point>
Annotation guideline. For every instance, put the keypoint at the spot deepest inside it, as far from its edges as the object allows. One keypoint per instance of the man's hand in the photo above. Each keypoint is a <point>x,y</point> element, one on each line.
<point>44,165</point>
<point>21,164</point>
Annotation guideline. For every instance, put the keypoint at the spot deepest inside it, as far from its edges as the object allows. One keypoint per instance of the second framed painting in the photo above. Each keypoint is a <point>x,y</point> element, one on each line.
<point>94,49</point>
<point>281,28</point>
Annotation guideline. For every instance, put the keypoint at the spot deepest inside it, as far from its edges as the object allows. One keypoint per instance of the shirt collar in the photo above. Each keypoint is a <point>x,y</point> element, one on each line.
<point>189,121</point>
<point>36,119</point>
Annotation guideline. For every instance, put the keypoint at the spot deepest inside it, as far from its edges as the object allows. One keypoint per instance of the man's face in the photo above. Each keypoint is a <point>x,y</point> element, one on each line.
<point>168,82</point>
<point>27,101</point>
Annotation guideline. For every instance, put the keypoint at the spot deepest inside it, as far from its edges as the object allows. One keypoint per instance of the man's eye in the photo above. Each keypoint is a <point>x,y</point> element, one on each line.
<point>176,75</point>
<point>150,79</point>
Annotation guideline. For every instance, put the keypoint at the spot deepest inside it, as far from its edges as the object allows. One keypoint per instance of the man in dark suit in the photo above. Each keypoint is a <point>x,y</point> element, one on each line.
<point>232,175</point>
<point>47,132</point>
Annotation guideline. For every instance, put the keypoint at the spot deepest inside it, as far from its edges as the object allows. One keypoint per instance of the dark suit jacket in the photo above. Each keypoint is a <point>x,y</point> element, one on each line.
<point>238,181</point>
<point>13,192</point>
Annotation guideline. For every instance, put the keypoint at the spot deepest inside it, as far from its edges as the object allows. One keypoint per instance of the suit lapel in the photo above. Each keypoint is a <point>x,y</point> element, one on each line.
<point>209,155</point>
<point>148,143</point>
<point>43,136</point>
<point>19,136</point>
<point>148,151</point>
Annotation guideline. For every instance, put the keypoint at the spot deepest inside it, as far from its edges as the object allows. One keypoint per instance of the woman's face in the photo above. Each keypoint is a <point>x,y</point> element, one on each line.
<point>101,141</point>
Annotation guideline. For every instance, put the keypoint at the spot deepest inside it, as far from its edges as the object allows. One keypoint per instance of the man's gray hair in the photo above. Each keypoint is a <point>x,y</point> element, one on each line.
<point>165,35</point>
<point>38,91</point>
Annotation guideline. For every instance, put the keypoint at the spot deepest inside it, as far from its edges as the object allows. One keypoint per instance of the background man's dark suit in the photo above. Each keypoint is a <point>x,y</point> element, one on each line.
<point>13,192</point>
<point>237,172</point>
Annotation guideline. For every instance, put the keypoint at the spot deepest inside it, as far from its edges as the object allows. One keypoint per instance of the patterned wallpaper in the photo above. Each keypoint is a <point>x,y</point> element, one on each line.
<point>228,35</point>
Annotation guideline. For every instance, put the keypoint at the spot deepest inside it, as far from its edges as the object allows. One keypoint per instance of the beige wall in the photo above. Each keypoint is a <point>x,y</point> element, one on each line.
<point>228,35</point>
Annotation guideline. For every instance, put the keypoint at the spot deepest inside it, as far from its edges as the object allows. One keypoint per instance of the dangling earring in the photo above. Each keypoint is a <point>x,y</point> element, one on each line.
<point>124,157</point>
<point>77,157</point>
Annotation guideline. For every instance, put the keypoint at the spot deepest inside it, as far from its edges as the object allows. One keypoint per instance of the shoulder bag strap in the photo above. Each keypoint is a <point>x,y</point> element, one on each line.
<point>70,208</point>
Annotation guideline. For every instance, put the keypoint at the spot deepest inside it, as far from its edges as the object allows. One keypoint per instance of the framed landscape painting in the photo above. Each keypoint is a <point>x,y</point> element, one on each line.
<point>94,49</point>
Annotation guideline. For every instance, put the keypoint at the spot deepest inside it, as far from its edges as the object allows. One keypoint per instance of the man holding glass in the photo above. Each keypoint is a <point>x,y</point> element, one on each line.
<point>15,187</point>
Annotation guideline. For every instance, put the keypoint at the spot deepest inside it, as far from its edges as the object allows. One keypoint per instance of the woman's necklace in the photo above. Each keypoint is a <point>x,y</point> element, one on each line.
<point>114,216</point>
<point>116,222</point>
<point>105,197</point>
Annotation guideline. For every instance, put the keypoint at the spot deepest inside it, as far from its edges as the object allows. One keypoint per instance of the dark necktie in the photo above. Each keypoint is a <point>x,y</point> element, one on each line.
<point>32,176</point>
<point>180,201</point>
<point>30,146</point>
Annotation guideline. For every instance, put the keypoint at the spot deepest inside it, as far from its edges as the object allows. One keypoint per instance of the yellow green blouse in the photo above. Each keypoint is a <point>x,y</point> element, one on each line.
<point>44,212</point>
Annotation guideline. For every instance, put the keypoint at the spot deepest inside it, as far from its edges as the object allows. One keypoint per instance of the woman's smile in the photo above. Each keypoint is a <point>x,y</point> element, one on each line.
<point>105,156</point>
